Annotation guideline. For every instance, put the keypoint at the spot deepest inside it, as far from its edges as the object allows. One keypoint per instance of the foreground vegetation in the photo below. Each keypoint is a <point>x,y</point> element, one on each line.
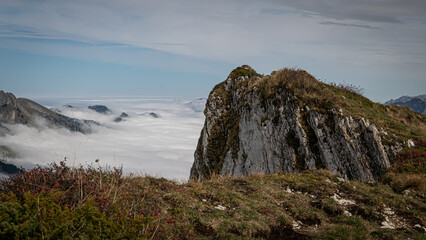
<point>87,203</point>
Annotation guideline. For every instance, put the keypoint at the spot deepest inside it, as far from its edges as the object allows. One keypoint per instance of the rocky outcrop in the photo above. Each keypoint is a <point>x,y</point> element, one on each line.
<point>249,131</point>
<point>24,111</point>
<point>121,117</point>
<point>150,114</point>
<point>100,109</point>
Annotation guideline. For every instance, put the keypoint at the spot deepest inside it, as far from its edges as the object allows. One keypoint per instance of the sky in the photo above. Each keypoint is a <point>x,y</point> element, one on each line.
<point>185,47</point>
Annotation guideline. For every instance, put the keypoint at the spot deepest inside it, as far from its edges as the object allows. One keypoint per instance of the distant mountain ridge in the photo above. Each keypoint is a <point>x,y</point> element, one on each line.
<point>9,169</point>
<point>24,111</point>
<point>417,103</point>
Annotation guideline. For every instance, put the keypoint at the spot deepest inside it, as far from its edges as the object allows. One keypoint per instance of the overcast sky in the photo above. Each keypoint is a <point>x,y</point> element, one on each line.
<point>184,48</point>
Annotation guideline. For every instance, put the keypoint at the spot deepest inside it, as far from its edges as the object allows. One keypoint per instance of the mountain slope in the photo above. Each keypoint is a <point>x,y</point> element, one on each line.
<point>24,111</point>
<point>288,121</point>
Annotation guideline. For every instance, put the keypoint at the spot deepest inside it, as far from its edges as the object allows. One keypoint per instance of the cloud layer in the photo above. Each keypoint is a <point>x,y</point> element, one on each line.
<point>141,144</point>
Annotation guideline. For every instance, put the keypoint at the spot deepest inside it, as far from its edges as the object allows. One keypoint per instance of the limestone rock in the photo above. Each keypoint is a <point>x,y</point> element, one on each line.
<point>252,129</point>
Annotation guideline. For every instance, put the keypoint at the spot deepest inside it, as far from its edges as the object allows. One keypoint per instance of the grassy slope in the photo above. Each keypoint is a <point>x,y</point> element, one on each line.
<point>60,202</point>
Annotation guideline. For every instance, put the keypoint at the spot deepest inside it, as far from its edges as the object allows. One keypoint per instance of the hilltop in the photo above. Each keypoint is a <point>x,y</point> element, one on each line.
<point>289,121</point>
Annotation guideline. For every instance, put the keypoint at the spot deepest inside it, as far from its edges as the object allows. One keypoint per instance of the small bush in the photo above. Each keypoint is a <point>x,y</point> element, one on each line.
<point>77,184</point>
<point>41,216</point>
<point>116,207</point>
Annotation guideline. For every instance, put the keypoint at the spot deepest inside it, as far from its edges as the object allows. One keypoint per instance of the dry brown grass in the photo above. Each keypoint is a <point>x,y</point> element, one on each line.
<point>402,181</point>
<point>298,82</point>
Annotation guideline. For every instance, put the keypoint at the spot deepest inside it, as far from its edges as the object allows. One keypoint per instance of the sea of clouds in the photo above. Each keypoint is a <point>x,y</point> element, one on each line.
<point>140,144</point>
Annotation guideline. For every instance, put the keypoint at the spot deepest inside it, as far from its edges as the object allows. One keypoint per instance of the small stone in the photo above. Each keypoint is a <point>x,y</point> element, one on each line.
<point>204,200</point>
<point>296,225</point>
<point>341,179</point>
<point>347,213</point>
<point>387,225</point>
<point>419,228</point>
<point>288,190</point>
<point>342,201</point>
<point>388,211</point>
<point>407,192</point>
<point>220,207</point>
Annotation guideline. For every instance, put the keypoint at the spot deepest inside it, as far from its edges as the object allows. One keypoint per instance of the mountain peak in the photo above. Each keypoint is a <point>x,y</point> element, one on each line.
<point>243,71</point>
<point>24,111</point>
<point>289,121</point>
<point>6,98</point>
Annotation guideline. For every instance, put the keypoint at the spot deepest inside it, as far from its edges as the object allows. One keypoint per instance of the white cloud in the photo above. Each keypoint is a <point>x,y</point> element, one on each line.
<point>141,144</point>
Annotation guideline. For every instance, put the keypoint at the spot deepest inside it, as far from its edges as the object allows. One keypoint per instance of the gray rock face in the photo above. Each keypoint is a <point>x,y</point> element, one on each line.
<point>244,134</point>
